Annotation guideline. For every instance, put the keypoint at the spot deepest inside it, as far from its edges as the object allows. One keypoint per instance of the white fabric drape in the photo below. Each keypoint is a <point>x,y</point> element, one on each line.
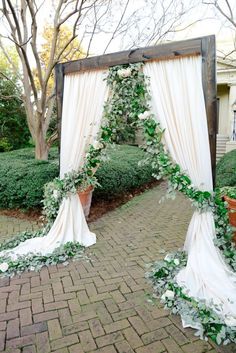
<point>83,100</point>
<point>178,103</point>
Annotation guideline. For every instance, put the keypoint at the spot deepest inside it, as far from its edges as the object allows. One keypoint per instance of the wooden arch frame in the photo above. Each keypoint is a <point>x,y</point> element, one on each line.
<point>204,46</point>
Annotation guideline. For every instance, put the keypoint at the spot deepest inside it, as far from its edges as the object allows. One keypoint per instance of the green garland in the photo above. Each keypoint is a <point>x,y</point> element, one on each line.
<point>34,262</point>
<point>130,93</point>
<point>129,97</point>
<point>129,103</point>
<point>195,313</point>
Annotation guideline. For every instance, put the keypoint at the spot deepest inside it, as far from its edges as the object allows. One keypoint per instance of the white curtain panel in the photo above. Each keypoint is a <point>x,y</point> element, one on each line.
<point>178,103</point>
<point>83,100</point>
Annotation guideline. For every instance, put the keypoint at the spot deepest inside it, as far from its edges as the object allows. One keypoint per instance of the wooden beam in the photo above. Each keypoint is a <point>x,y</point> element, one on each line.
<point>170,50</point>
<point>59,74</point>
<point>209,87</point>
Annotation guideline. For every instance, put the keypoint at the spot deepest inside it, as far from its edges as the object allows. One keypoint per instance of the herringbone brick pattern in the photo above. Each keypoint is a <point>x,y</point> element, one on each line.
<point>12,225</point>
<point>103,303</point>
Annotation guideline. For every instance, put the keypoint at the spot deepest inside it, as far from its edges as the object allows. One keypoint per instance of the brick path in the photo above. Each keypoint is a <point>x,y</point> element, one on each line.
<point>103,304</point>
<point>12,225</point>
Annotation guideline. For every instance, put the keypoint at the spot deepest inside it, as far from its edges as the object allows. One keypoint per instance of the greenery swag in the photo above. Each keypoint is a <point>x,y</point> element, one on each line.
<point>129,104</point>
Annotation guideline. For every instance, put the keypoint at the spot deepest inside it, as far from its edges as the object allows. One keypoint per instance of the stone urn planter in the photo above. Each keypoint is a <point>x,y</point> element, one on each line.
<point>86,199</point>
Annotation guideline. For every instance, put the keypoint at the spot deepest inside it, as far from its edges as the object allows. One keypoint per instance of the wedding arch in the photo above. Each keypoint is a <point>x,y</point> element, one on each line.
<point>204,47</point>
<point>200,286</point>
<point>175,106</point>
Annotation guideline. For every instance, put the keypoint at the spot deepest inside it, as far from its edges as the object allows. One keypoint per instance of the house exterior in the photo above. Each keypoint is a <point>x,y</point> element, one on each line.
<point>226,97</point>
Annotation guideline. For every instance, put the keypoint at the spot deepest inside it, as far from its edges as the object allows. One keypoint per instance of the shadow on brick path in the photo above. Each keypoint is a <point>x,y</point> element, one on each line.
<point>103,304</point>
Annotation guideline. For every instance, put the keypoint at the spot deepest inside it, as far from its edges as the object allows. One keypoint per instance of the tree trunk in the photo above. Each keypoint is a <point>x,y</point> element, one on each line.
<point>41,147</point>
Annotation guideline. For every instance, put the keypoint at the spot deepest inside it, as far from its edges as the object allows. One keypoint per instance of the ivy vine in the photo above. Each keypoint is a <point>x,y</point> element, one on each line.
<point>127,109</point>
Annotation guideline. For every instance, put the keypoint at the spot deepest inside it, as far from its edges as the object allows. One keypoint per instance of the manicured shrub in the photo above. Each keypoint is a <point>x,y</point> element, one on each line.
<point>226,170</point>
<point>22,177</point>
<point>122,172</point>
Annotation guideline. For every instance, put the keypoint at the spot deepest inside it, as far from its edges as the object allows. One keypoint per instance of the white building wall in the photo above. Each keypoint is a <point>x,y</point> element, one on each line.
<point>226,92</point>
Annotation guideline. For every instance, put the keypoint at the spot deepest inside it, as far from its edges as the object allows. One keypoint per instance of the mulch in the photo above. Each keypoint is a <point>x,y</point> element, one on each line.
<point>98,208</point>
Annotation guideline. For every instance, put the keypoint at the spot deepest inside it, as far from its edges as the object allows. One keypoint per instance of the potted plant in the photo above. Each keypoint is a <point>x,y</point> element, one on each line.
<point>229,195</point>
<point>85,192</point>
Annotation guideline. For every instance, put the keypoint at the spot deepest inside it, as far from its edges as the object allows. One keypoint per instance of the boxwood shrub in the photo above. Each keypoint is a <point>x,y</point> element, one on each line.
<point>22,178</point>
<point>122,172</point>
<point>226,170</point>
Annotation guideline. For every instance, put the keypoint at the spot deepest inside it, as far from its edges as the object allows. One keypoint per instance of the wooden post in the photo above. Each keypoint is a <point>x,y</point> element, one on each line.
<point>209,88</point>
<point>59,74</point>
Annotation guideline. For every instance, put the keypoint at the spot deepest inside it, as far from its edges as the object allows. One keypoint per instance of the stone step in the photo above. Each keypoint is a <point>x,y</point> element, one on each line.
<point>221,145</point>
<point>222,138</point>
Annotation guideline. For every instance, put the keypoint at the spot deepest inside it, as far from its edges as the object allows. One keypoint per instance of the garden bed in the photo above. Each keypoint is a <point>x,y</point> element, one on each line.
<point>98,207</point>
<point>120,176</point>
<point>22,180</point>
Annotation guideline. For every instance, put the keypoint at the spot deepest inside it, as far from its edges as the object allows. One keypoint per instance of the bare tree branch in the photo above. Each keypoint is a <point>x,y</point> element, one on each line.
<point>229,16</point>
<point>52,139</point>
<point>15,30</point>
<point>34,30</point>
<point>10,61</point>
<point>129,21</point>
<point>118,25</point>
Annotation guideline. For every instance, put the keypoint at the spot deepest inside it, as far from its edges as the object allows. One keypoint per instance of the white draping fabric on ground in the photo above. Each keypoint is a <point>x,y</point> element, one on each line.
<point>83,100</point>
<point>178,102</point>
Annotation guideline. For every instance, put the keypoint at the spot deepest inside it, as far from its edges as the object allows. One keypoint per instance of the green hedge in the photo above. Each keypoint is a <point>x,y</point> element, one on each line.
<point>226,170</point>
<point>122,172</point>
<point>22,177</point>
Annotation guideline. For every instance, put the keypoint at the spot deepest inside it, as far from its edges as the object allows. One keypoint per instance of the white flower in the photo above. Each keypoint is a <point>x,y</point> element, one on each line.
<point>97,145</point>
<point>56,194</point>
<point>230,321</point>
<point>4,267</point>
<point>169,294</point>
<point>145,115</point>
<point>167,258</point>
<point>124,72</point>
<point>176,262</point>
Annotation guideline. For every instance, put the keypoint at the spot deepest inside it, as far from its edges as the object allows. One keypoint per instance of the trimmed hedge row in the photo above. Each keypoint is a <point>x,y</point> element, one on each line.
<point>22,178</point>
<point>122,172</point>
<point>226,170</point>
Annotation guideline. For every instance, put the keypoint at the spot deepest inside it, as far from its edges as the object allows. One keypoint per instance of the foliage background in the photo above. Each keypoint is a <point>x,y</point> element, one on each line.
<point>22,178</point>
<point>14,132</point>
<point>226,170</point>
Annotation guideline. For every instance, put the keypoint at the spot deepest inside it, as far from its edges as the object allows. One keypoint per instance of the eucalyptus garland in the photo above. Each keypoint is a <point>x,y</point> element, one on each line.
<point>209,322</point>
<point>128,103</point>
<point>198,314</point>
<point>129,97</point>
<point>34,262</point>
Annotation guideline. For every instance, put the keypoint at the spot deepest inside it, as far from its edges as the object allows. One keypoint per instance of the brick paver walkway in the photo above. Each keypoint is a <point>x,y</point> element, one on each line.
<point>102,304</point>
<point>12,225</point>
